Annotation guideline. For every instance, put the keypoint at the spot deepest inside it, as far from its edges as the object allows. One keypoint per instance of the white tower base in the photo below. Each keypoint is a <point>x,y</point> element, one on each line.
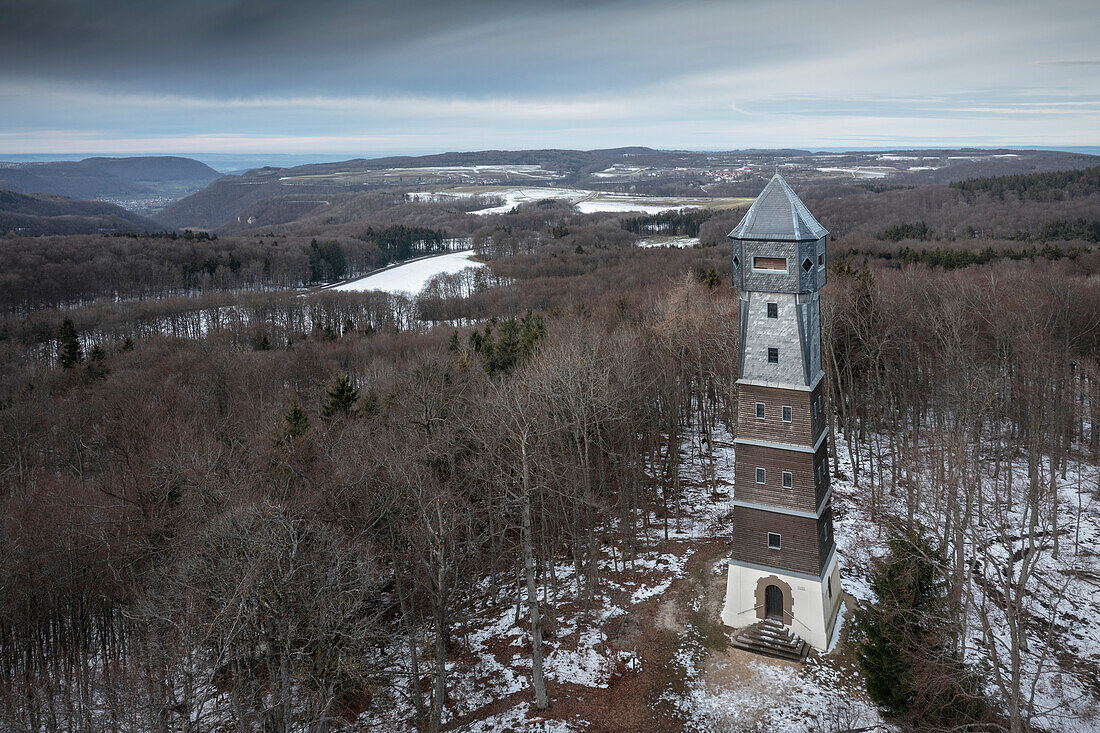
<point>810,605</point>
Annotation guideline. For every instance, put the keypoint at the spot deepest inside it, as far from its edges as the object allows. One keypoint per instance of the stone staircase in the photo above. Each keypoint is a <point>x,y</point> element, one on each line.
<point>770,637</point>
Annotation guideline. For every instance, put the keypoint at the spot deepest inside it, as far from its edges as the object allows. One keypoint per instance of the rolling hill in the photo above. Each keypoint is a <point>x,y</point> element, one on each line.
<point>110,178</point>
<point>38,214</point>
<point>231,201</point>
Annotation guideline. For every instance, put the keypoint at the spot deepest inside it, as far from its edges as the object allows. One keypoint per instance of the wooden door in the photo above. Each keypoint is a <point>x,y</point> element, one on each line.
<point>773,602</point>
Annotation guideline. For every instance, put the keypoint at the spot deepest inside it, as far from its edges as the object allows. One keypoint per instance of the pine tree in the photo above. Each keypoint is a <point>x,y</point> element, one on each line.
<point>507,348</point>
<point>906,641</point>
<point>95,366</point>
<point>296,422</point>
<point>533,331</point>
<point>69,351</point>
<point>341,399</point>
<point>369,406</point>
<point>711,278</point>
<point>127,344</point>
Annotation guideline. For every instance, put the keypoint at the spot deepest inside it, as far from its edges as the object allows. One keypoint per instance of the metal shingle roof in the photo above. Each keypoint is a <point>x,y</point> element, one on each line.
<point>778,214</point>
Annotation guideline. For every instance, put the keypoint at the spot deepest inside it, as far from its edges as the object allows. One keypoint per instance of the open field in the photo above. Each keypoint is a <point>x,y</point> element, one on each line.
<point>586,201</point>
<point>411,277</point>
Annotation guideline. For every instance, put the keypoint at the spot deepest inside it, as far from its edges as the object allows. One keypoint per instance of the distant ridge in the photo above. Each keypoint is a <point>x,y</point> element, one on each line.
<point>98,178</point>
<point>230,201</point>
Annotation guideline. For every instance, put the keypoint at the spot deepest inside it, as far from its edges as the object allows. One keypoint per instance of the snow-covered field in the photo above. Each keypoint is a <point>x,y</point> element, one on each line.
<point>411,277</point>
<point>586,201</point>
<point>861,172</point>
<point>674,241</point>
<point>472,173</point>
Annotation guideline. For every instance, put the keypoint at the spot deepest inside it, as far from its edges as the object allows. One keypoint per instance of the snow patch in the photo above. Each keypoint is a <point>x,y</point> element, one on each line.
<point>411,277</point>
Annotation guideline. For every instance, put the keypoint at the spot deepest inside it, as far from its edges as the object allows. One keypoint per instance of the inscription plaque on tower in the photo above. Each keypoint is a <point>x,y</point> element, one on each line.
<point>783,564</point>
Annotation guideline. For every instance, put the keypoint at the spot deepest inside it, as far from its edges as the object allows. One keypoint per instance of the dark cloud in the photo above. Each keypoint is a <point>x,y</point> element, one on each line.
<point>240,46</point>
<point>431,74</point>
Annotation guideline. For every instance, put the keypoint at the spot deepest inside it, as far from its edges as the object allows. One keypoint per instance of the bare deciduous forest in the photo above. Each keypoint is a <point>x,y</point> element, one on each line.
<point>227,505</point>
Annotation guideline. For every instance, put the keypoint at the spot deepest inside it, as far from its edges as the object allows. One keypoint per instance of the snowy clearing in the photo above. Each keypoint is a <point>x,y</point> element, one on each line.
<point>861,172</point>
<point>586,201</point>
<point>411,277</point>
<point>672,241</point>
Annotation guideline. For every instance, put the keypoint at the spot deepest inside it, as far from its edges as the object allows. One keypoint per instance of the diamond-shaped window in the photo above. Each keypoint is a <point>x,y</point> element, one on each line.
<point>807,264</point>
<point>736,260</point>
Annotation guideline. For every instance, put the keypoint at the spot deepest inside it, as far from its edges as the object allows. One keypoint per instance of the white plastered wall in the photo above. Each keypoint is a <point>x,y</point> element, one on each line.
<point>813,609</point>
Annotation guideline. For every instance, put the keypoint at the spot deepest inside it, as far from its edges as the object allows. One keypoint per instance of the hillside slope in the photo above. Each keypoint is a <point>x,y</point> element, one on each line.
<point>35,215</point>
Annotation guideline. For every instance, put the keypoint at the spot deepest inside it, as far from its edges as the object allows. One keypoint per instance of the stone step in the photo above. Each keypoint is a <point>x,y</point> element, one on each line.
<point>782,636</point>
<point>764,641</point>
<point>771,638</point>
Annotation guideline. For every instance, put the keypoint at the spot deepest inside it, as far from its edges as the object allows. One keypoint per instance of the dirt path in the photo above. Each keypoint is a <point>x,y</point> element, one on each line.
<point>633,701</point>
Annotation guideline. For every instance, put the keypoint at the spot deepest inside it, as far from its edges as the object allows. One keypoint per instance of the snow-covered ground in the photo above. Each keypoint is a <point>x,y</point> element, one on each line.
<point>1065,589</point>
<point>586,201</point>
<point>709,686</point>
<point>411,277</point>
<point>607,202</point>
<point>861,172</point>
<point>675,241</point>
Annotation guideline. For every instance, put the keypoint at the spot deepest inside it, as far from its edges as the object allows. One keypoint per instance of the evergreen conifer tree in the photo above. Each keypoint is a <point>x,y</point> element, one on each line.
<point>906,641</point>
<point>69,351</point>
<point>369,406</point>
<point>95,366</point>
<point>711,278</point>
<point>506,350</point>
<point>533,331</point>
<point>341,399</point>
<point>296,421</point>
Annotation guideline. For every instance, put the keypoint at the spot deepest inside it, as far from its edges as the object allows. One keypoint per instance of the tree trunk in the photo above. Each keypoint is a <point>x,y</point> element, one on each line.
<point>538,680</point>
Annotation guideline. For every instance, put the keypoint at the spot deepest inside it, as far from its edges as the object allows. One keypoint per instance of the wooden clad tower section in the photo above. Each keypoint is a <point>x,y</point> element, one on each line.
<point>783,565</point>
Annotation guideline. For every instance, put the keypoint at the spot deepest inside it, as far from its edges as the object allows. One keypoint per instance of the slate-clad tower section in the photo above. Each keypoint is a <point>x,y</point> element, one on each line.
<point>783,564</point>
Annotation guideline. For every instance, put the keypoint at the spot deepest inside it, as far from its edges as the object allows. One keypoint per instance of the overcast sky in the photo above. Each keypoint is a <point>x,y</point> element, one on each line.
<point>371,78</point>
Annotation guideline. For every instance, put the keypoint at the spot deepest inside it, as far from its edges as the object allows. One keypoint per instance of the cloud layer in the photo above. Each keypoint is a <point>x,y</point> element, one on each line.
<point>372,78</point>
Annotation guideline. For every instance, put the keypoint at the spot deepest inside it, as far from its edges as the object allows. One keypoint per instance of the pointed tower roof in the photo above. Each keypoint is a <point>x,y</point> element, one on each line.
<point>778,214</point>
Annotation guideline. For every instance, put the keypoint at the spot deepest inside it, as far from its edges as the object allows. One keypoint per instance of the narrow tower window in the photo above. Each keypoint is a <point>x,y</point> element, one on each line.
<point>761,476</point>
<point>773,310</point>
<point>773,355</point>
<point>759,410</point>
<point>775,541</point>
<point>788,479</point>
<point>788,414</point>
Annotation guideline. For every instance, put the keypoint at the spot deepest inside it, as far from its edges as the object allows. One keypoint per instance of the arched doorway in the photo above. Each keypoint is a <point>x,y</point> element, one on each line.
<point>773,602</point>
<point>773,599</point>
